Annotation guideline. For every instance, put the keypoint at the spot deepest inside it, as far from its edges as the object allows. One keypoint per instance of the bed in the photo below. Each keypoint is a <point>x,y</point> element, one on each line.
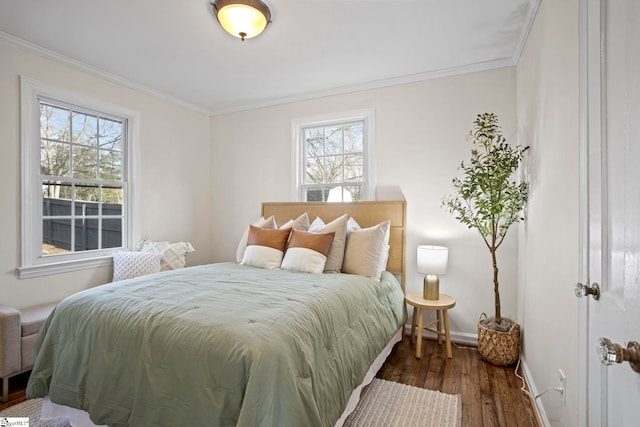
<point>227,344</point>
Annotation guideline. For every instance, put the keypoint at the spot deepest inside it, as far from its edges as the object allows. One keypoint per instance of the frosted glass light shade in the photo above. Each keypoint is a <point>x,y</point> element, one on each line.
<point>432,259</point>
<point>244,19</point>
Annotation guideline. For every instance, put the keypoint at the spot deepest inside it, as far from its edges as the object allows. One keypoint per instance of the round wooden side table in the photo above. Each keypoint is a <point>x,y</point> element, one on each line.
<point>441,305</point>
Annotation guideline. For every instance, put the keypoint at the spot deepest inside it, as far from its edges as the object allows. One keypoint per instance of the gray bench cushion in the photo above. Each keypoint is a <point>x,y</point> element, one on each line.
<point>34,317</point>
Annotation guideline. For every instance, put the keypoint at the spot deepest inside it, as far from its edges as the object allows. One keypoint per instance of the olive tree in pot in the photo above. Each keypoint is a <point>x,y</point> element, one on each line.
<point>488,199</point>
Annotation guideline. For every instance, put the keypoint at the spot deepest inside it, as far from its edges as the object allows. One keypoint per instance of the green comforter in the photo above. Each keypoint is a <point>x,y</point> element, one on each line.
<point>216,345</point>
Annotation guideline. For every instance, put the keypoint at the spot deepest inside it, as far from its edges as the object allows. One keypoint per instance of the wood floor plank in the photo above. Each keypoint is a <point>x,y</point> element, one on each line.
<point>487,400</point>
<point>491,395</point>
<point>471,400</point>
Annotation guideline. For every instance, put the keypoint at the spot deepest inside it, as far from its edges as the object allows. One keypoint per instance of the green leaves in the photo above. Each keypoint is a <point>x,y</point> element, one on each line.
<point>485,197</point>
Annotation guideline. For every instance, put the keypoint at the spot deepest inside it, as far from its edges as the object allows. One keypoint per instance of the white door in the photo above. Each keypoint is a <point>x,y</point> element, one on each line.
<point>611,251</point>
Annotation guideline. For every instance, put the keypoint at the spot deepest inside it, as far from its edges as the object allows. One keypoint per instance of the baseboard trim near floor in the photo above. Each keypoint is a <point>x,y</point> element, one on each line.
<point>542,415</point>
<point>458,337</point>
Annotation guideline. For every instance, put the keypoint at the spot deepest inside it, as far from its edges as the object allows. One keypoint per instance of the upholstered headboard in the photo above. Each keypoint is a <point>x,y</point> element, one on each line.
<point>366,214</point>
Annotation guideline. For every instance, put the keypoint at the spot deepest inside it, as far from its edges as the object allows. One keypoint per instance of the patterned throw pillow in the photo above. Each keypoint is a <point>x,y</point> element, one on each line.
<point>174,255</point>
<point>127,265</point>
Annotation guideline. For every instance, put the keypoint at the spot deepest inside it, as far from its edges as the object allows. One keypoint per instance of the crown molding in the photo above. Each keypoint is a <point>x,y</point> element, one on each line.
<point>376,84</point>
<point>535,4</point>
<point>55,56</point>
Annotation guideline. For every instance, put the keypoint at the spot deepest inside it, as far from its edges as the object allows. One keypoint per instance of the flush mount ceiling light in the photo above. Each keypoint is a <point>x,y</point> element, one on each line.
<point>242,18</point>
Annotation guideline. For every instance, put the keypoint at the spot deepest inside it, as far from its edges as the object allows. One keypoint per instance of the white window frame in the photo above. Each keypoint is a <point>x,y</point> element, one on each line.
<point>33,263</point>
<point>297,147</point>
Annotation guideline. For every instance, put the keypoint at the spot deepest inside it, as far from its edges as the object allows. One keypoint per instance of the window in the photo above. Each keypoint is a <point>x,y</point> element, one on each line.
<point>334,157</point>
<point>76,181</point>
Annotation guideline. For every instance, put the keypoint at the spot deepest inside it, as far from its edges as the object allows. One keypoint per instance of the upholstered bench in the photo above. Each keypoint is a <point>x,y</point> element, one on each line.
<point>18,332</point>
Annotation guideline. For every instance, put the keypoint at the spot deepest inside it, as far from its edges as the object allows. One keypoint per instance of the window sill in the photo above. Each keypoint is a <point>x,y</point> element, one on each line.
<point>28,272</point>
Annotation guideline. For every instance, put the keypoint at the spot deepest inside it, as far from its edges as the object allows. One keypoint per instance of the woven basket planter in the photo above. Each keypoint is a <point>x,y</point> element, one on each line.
<point>497,347</point>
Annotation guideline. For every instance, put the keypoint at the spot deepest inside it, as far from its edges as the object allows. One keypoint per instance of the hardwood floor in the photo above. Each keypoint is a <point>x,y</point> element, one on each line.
<point>491,395</point>
<point>17,389</point>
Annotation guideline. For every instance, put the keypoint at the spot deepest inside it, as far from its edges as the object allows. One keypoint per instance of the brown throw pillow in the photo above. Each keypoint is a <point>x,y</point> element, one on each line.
<point>265,247</point>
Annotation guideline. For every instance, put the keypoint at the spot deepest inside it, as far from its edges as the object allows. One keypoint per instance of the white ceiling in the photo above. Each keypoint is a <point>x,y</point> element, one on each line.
<point>177,49</point>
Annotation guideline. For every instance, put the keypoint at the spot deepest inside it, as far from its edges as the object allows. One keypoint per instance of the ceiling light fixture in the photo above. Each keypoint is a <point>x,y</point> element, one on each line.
<point>244,19</point>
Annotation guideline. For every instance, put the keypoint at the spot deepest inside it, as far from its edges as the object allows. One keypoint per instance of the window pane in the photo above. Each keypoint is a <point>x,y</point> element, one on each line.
<point>314,142</point>
<point>333,169</point>
<point>110,134</point>
<point>85,129</point>
<point>353,139</point>
<point>85,162</point>
<point>353,168</point>
<point>314,170</point>
<point>54,123</point>
<point>86,234</point>
<point>56,236</point>
<point>111,233</point>
<point>111,165</point>
<point>316,194</point>
<point>56,190</point>
<point>87,197</point>
<point>355,191</point>
<point>333,140</point>
<point>339,194</point>
<point>54,158</point>
<point>56,199</point>
<point>112,201</point>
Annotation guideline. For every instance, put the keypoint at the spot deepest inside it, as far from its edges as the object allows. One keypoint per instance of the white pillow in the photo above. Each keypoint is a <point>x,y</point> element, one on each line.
<point>336,254</point>
<point>352,224</point>
<point>366,251</point>
<point>265,247</point>
<point>262,257</point>
<point>242,244</point>
<point>300,223</point>
<point>127,265</point>
<point>174,255</point>
<point>307,252</point>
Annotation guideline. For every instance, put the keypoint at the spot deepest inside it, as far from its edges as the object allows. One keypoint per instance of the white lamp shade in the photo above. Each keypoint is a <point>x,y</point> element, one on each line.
<point>432,259</point>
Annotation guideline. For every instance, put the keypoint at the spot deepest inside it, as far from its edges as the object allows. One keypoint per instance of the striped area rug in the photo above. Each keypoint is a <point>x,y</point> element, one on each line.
<point>383,404</point>
<point>31,409</point>
<point>391,404</point>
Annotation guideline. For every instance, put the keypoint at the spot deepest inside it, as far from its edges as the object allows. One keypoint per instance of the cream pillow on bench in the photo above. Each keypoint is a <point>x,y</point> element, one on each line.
<point>174,255</point>
<point>129,264</point>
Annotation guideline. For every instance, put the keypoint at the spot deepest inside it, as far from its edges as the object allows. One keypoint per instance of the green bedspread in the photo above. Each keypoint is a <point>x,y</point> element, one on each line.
<point>216,345</point>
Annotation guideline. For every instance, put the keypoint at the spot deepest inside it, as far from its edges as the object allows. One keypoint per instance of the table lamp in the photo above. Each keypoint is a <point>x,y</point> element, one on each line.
<point>432,261</point>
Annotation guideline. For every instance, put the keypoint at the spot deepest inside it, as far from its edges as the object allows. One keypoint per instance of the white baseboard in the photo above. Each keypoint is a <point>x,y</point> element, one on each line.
<point>534,392</point>
<point>459,337</point>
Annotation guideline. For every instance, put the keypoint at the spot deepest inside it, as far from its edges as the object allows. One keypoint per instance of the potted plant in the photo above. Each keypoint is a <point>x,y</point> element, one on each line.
<point>488,199</point>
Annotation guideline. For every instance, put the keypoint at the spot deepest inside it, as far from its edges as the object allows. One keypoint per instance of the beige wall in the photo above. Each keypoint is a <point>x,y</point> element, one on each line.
<point>175,189</point>
<point>421,133</point>
<point>548,120</point>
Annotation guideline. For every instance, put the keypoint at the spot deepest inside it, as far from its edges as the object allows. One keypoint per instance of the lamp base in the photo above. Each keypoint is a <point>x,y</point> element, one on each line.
<point>431,288</point>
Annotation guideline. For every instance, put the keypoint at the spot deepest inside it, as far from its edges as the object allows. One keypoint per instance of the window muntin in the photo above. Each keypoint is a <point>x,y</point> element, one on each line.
<point>81,174</point>
<point>334,157</point>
